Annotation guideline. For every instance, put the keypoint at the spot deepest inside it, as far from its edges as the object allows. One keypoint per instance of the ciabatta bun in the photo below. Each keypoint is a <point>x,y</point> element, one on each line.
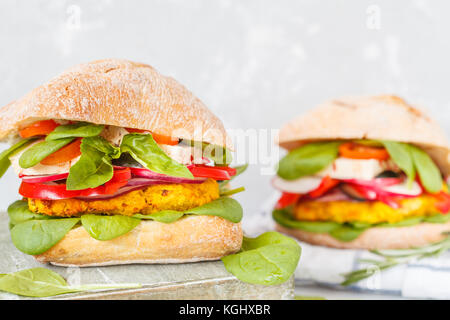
<point>119,93</point>
<point>190,239</point>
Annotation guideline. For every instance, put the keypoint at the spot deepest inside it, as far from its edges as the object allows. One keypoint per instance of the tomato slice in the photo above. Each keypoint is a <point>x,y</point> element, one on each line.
<point>326,184</point>
<point>231,171</point>
<point>357,151</point>
<point>53,191</point>
<point>66,153</point>
<point>287,199</point>
<point>40,128</point>
<point>216,173</point>
<point>159,138</point>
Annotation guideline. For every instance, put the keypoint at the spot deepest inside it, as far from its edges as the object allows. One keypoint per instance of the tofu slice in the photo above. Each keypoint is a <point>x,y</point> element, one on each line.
<point>344,168</point>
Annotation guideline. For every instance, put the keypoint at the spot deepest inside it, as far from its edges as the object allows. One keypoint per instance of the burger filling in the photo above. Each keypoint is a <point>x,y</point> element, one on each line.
<point>107,179</point>
<point>345,187</point>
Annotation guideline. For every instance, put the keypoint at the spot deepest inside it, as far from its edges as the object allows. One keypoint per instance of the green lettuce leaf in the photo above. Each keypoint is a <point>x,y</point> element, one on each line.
<point>4,156</point>
<point>75,130</point>
<point>144,149</point>
<point>38,152</point>
<point>269,259</point>
<point>108,227</point>
<point>94,167</point>
<point>308,160</point>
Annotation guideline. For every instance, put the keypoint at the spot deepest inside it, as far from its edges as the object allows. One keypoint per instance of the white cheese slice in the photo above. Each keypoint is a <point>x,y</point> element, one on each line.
<point>344,168</point>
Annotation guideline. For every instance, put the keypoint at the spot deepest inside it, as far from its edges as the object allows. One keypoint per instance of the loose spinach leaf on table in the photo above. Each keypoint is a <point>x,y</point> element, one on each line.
<point>144,149</point>
<point>269,259</point>
<point>41,282</point>
<point>308,159</point>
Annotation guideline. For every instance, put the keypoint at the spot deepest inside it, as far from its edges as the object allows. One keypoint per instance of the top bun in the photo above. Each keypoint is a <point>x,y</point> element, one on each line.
<point>120,93</point>
<point>381,117</point>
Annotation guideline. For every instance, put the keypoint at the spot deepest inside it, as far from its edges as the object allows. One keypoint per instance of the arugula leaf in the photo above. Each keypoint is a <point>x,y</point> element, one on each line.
<point>226,208</point>
<point>144,149</point>
<point>41,282</point>
<point>401,154</point>
<point>108,227</point>
<point>4,156</point>
<point>18,212</point>
<point>308,159</point>
<point>429,173</point>
<point>94,167</point>
<point>75,130</point>
<point>37,236</point>
<point>269,259</point>
<point>40,151</point>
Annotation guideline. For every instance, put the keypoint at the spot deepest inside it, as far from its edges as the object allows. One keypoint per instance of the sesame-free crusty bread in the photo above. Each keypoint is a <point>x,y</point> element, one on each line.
<point>190,239</point>
<point>378,238</point>
<point>119,93</point>
<point>383,117</point>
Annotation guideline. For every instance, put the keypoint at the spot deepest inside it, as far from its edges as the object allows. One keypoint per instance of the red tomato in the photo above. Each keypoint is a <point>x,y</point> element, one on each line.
<point>216,173</point>
<point>327,184</point>
<point>287,199</point>
<point>66,153</point>
<point>40,128</point>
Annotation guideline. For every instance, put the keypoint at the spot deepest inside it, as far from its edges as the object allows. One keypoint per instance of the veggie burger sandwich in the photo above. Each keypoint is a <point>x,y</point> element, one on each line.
<point>364,172</point>
<point>119,164</point>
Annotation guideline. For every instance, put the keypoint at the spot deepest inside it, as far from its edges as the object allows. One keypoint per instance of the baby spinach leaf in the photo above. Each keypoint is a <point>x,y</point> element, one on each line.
<point>220,155</point>
<point>166,216</point>
<point>36,153</point>
<point>403,223</point>
<point>283,218</point>
<point>102,145</point>
<point>37,236</point>
<point>108,227</point>
<point>75,130</point>
<point>4,156</point>
<point>269,259</point>
<point>438,218</point>
<point>346,233</point>
<point>429,173</point>
<point>144,149</point>
<point>308,159</point>
<point>18,212</point>
<point>401,154</point>
<point>226,208</point>
<point>41,282</point>
<point>94,167</point>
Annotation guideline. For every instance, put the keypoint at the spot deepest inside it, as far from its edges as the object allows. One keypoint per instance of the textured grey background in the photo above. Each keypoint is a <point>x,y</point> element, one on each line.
<point>254,63</point>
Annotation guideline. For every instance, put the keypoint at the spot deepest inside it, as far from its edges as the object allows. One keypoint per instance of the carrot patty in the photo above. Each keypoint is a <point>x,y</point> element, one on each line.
<point>145,201</point>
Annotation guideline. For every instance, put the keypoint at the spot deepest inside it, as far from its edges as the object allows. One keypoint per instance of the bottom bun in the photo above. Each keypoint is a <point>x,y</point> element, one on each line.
<point>190,239</point>
<point>377,238</point>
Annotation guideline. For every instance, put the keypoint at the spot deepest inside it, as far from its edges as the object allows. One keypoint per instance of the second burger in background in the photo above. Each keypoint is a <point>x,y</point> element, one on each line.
<point>364,172</point>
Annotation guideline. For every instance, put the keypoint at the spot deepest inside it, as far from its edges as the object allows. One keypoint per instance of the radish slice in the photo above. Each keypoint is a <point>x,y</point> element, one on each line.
<point>403,189</point>
<point>299,186</point>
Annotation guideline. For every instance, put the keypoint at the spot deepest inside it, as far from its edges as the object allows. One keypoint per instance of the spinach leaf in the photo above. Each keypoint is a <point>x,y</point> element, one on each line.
<point>401,154</point>
<point>18,212</point>
<point>438,218</point>
<point>4,156</point>
<point>269,259</point>
<point>283,218</point>
<point>41,282</point>
<point>220,155</point>
<point>75,130</point>
<point>40,151</point>
<point>144,149</point>
<point>226,208</point>
<point>346,233</point>
<point>308,159</point>
<point>37,236</point>
<point>429,173</point>
<point>94,167</point>
<point>403,223</point>
<point>108,227</point>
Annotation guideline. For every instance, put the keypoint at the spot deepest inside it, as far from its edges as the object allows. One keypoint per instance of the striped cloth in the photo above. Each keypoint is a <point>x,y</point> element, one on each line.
<point>423,279</point>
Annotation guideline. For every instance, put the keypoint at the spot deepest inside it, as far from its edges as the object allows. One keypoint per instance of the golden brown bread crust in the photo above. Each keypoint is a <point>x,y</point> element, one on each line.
<point>381,117</point>
<point>120,93</point>
<point>377,238</point>
<point>190,239</point>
